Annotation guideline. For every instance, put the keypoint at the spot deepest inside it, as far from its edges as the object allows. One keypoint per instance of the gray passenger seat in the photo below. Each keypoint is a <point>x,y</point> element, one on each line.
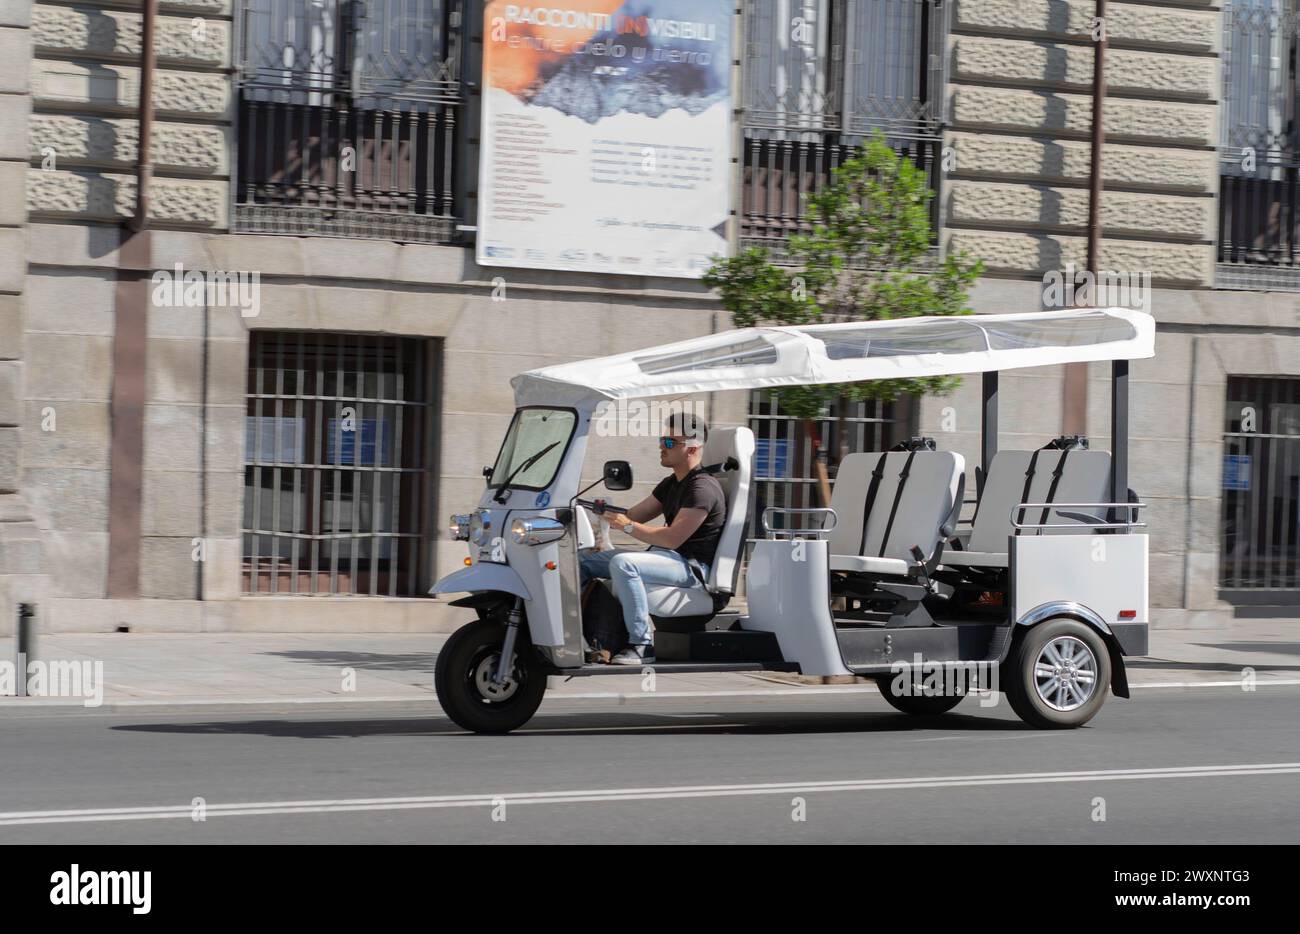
<point>1069,476</point>
<point>915,493</point>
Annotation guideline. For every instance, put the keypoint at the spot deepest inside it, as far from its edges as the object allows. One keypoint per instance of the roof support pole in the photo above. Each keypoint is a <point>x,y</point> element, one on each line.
<point>988,426</point>
<point>1119,435</point>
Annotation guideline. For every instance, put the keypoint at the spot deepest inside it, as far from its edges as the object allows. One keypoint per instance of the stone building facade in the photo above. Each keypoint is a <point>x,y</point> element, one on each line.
<point>129,426</point>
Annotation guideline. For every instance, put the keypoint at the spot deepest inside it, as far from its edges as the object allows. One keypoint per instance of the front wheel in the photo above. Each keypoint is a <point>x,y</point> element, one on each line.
<point>914,703</point>
<point>462,676</point>
<point>1059,675</point>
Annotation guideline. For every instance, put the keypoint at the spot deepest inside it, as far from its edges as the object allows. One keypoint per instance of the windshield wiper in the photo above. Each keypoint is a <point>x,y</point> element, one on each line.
<point>500,496</point>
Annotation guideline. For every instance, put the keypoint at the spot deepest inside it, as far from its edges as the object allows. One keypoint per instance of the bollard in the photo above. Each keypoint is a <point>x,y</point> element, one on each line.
<point>26,613</point>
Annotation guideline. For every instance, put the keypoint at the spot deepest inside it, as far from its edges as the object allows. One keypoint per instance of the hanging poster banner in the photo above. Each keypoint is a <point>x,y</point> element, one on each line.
<point>606,135</point>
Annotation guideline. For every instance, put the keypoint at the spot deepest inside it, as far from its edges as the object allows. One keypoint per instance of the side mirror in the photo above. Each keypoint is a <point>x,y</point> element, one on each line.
<point>618,475</point>
<point>487,473</point>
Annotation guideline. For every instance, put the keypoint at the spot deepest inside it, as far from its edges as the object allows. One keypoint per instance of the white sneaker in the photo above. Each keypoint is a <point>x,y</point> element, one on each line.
<point>635,655</point>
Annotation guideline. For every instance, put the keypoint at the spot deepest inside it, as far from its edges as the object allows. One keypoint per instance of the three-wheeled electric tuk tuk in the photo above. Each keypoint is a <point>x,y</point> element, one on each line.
<point>1040,598</point>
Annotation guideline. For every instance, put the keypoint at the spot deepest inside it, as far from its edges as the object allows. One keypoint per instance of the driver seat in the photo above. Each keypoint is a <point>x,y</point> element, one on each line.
<point>689,609</point>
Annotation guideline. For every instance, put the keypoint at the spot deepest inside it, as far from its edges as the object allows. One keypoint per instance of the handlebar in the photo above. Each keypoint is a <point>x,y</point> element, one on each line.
<point>600,506</point>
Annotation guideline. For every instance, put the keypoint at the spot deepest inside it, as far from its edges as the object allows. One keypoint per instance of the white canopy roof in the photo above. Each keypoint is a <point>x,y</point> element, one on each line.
<point>757,358</point>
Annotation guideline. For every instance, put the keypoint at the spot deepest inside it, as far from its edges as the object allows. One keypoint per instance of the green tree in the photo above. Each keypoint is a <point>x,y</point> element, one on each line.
<point>870,233</point>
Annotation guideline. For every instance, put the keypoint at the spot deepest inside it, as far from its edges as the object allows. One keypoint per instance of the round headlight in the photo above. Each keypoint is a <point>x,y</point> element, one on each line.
<point>480,527</point>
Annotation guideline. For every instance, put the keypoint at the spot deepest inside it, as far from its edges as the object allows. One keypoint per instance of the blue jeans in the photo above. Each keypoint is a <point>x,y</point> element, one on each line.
<point>629,572</point>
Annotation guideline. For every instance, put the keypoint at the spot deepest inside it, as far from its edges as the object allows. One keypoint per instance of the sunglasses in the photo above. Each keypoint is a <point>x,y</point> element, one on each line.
<point>668,443</point>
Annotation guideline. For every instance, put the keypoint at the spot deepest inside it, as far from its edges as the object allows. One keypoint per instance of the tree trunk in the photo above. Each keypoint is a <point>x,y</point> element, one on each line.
<point>819,467</point>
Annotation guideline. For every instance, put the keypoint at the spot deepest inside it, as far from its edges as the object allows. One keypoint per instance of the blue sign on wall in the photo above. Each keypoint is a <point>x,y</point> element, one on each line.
<point>370,427</point>
<point>1236,471</point>
<point>770,457</point>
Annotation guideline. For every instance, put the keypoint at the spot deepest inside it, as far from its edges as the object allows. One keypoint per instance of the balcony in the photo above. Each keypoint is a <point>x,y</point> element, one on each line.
<point>1260,148</point>
<point>818,85</point>
<point>348,119</point>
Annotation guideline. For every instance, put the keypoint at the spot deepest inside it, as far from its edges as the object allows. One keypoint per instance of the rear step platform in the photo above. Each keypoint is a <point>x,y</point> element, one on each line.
<point>672,668</point>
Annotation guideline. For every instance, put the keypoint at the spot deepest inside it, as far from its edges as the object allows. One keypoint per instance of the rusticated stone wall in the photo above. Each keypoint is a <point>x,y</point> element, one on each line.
<point>1020,105</point>
<point>83,136</point>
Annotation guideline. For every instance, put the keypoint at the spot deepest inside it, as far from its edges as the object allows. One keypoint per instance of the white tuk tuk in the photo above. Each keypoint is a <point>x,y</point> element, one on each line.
<point>1040,597</point>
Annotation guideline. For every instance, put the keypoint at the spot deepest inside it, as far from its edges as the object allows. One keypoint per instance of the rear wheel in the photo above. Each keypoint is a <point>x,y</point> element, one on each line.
<point>462,676</point>
<point>1059,675</point>
<point>922,704</point>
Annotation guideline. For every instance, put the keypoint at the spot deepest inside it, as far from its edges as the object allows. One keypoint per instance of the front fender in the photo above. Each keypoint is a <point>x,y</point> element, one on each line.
<point>482,576</point>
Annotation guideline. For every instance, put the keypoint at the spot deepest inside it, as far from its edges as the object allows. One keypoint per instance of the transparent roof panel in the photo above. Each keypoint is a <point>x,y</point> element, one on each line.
<point>1076,329</point>
<point>954,336</point>
<point>752,351</point>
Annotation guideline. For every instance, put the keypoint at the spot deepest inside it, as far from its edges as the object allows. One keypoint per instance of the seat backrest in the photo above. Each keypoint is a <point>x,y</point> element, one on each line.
<point>1085,478</point>
<point>722,444</point>
<point>934,484</point>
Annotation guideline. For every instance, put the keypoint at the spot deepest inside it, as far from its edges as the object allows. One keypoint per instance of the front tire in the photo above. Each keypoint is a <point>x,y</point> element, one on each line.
<point>919,704</point>
<point>462,676</point>
<point>1059,675</point>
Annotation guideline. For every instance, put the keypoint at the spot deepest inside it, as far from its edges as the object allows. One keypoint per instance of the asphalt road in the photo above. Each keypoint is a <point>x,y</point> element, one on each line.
<point>1204,765</point>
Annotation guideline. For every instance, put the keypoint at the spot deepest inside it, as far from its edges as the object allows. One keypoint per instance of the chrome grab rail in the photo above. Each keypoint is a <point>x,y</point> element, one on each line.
<point>1129,508</point>
<point>778,534</point>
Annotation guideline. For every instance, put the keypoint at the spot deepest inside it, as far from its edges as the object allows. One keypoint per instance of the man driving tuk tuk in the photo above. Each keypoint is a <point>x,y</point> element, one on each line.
<point>694,509</point>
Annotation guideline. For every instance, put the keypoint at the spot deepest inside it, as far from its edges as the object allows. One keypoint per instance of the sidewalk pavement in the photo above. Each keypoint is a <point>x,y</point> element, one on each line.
<point>276,669</point>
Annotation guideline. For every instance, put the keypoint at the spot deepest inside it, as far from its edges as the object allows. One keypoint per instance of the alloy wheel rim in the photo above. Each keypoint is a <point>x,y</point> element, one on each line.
<point>1065,673</point>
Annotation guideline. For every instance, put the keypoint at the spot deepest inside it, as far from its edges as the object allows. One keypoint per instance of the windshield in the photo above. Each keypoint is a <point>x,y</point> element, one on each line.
<point>531,431</point>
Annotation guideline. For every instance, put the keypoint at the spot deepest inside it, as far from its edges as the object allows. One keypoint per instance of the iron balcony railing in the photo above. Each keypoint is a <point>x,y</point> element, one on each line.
<point>349,115</point>
<point>822,76</point>
<point>1259,146</point>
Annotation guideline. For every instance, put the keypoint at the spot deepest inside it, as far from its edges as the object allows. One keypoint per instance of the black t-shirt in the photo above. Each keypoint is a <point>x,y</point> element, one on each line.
<point>697,490</point>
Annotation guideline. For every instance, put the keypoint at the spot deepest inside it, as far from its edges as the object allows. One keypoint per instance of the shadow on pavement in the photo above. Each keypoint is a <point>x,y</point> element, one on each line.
<point>603,724</point>
<point>373,661</point>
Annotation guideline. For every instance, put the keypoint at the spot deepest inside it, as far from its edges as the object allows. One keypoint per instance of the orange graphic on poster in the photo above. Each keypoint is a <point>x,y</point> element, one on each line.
<point>520,40</point>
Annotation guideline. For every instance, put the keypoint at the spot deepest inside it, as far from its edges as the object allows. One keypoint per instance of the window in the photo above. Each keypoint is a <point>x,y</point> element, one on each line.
<point>537,435</point>
<point>1261,485</point>
<point>819,77</point>
<point>347,118</point>
<point>937,337</point>
<point>336,479</point>
<point>1259,147</point>
<point>756,351</point>
<point>786,464</point>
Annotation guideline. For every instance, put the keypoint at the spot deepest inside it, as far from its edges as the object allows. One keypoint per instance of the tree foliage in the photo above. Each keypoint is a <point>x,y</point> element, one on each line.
<point>867,258</point>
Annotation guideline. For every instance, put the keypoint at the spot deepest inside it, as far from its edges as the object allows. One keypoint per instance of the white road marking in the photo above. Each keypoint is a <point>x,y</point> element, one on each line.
<point>1259,682</point>
<point>97,815</point>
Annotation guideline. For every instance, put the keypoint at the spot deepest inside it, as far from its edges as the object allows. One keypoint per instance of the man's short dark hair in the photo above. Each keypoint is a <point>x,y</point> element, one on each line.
<point>688,425</point>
